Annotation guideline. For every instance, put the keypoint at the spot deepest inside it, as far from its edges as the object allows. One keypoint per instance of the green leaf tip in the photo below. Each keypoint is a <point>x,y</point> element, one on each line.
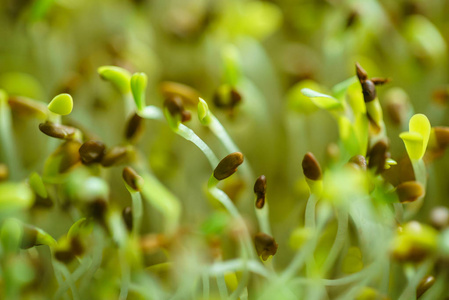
<point>322,100</point>
<point>36,183</point>
<point>62,104</point>
<point>119,77</point>
<point>203,112</point>
<point>138,86</point>
<point>417,138</point>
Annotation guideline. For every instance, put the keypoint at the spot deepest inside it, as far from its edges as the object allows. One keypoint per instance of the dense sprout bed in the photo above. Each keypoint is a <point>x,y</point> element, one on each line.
<point>224,149</point>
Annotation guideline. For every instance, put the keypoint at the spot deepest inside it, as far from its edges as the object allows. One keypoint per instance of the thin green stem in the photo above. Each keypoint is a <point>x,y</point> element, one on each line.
<point>62,269</point>
<point>97,257</point>
<point>206,286</point>
<point>159,196</point>
<point>137,212</point>
<point>126,274</point>
<point>309,222</point>
<point>222,289</point>
<point>190,135</point>
<point>230,207</point>
<point>10,154</point>
<point>410,290</point>
<point>419,168</point>
<point>75,275</point>
<point>340,238</point>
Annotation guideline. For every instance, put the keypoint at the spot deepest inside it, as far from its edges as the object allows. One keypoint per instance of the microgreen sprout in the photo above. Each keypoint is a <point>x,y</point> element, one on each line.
<point>101,197</point>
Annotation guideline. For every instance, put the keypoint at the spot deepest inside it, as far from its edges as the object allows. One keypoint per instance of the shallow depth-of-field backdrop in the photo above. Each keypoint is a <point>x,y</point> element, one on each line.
<point>110,192</point>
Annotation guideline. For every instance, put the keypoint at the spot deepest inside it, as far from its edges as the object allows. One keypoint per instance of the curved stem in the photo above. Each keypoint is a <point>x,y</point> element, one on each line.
<point>309,222</point>
<point>230,207</point>
<point>137,212</point>
<point>340,238</point>
<point>190,135</point>
<point>220,132</point>
<point>410,290</point>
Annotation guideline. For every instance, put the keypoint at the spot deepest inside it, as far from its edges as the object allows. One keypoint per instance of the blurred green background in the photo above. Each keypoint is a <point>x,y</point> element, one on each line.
<point>52,46</point>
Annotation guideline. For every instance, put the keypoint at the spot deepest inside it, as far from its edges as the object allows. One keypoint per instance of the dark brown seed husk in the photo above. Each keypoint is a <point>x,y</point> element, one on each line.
<point>409,191</point>
<point>132,179</point>
<point>114,156</point>
<point>64,256</point>
<point>260,188</point>
<point>188,94</point>
<point>76,246</point>
<point>361,73</point>
<point>186,116</point>
<point>380,81</point>
<point>265,245</point>
<point>442,136</point>
<point>57,131</point>
<point>369,91</point>
<point>378,155</point>
<point>226,98</point>
<point>4,172</point>
<point>425,284</point>
<point>92,151</point>
<point>359,160</point>
<point>174,105</point>
<point>97,209</point>
<point>127,215</point>
<point>228,165</point>
<point>29,237</point>
<point>260,202</point>
<point>311,167</point>
<point>134,127</point>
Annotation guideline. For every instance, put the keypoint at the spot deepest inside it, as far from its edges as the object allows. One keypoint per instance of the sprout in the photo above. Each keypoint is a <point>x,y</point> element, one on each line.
<point>138,86</point>
<point>119,77</point>
<point>62,104</point>
<point>417,137</point>
<point>33,236</point>
<point>132,179</point>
